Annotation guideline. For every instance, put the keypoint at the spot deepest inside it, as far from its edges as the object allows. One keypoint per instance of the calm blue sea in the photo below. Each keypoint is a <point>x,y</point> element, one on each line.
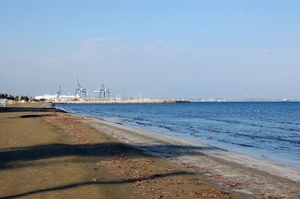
<point>270,130</point>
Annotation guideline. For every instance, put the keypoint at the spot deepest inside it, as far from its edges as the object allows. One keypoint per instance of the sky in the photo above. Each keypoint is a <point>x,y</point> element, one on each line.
<point>153,48</point>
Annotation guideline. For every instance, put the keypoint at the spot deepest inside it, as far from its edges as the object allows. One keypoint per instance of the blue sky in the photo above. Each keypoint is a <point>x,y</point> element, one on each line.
<point>163,49</point>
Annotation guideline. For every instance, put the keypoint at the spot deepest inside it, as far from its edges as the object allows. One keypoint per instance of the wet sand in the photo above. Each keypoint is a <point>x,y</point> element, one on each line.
<point>48,154</point>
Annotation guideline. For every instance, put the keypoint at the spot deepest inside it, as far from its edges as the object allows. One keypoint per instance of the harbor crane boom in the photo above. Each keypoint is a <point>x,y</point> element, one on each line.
<point>79,88</point>
<point>102,90</point>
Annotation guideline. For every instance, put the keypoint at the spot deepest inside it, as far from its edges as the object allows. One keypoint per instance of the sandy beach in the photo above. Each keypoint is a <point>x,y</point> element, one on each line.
<point>50,154</point>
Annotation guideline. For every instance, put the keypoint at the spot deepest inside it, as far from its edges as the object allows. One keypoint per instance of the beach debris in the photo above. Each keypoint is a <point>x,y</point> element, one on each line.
<point>212,193</point>
<point>218,177</point>
<point>142,172</point>
<point>265,196</point>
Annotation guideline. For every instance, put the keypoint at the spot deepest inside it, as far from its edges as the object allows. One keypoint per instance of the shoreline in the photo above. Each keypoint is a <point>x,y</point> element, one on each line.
<point>229,167</point>
<point>163,138</point>
<point>255,155</point>
<point>277,147</point>
<point>116,160</point>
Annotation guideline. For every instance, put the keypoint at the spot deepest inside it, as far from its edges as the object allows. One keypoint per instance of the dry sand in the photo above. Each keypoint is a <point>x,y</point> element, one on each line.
<point>45,154</point>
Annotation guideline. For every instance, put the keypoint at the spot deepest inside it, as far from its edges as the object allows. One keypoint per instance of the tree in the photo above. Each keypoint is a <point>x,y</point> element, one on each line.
<point>25,98</point>
<point>16,98</point>
<point>10,97</point>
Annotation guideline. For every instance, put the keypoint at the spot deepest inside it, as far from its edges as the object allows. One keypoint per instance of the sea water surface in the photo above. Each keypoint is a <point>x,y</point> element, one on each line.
<point>270,130</point>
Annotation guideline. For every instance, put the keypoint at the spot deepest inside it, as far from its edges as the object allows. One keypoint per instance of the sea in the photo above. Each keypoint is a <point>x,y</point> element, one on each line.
<point>269,130</point>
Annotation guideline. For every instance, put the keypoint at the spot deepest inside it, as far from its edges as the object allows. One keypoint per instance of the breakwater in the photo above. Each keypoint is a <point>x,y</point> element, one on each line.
<point>117,101</point>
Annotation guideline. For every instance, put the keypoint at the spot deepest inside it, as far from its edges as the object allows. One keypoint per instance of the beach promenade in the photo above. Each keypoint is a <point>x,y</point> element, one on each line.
<point>46,153</point>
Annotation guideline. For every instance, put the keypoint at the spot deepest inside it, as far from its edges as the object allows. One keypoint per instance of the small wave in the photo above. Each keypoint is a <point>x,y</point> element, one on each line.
<point>245,145</point>
<point>239,144</point>
<point>278,138</point>
<point>195,135</point>
<point>227,121</point>
<point>143,124</point>
<point>293,129</point>
<point>165,127</point>
<point>250,136</point>
<point>210,138</point>
<point>238,122</point>
<point>137,118</point>
<point>213,130</point>
<point>256,125</point>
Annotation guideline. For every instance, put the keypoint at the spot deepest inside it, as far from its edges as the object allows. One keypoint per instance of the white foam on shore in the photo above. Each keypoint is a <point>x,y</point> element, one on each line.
<point>262,176</point>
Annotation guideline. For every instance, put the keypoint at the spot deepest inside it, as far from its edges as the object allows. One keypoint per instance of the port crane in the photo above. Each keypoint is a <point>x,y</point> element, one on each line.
<point>59,92</point>
<point>80,89</point>
<point>103,91</point>
<point>29,96</point>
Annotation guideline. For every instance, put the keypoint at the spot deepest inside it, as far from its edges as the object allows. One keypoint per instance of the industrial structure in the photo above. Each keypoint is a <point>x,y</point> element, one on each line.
<point>103,92</point>
<point>81,96</point>
<point>80,89</point>
<point>59,92</point>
